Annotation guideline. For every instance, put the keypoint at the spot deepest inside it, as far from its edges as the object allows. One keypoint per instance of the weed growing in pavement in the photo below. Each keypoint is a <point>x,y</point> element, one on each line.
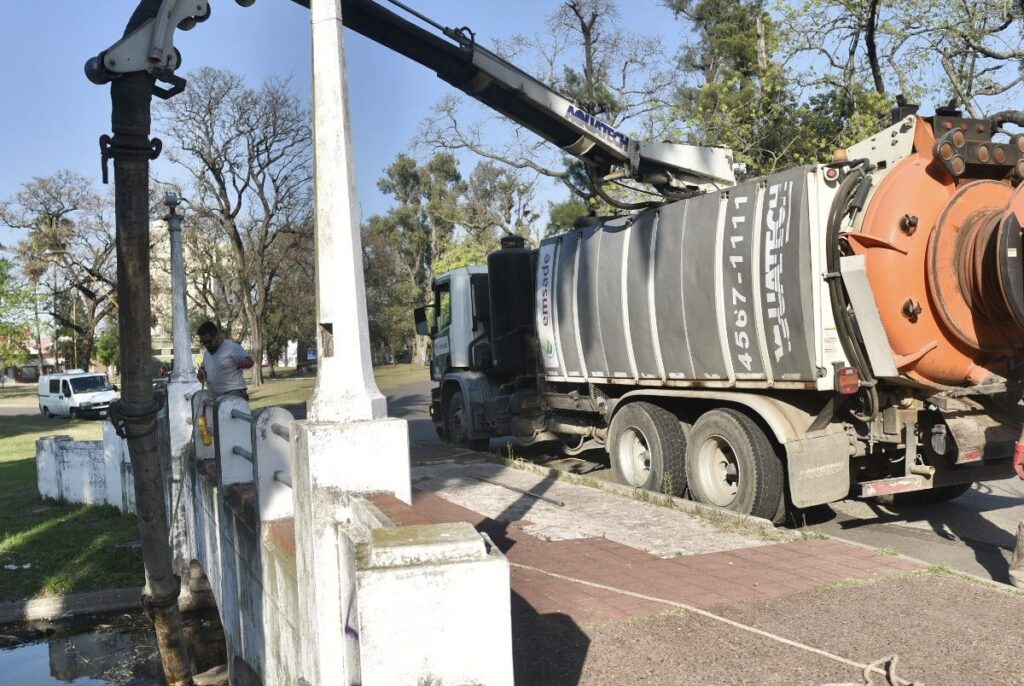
<point>941,569</point>
<point>738,524</point>
<point>887,551</point>
<point>841,584</point>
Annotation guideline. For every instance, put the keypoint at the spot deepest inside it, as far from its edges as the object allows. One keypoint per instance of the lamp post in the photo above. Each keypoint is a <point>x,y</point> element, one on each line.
<point>50,252</point>
<point>184,370</point>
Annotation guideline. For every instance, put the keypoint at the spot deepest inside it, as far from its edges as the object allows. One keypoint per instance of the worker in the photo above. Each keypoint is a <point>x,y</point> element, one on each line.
<point>223,363</point>
<point>1017,563</point>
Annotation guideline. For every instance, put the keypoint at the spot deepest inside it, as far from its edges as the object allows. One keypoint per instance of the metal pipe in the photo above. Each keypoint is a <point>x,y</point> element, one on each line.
<point>241,414</point>
<point>283,477</point>
<point>135,414</point>
<point>538,496</point>
<point>281,430</point>
<point>242,452</point>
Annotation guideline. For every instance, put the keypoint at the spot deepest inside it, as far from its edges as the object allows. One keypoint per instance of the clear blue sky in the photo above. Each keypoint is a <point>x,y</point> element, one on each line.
<point>53,116</point>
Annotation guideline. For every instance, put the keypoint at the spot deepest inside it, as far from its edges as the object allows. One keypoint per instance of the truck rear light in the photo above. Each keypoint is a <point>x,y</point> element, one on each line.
<point>969,456</point>
<point>848,380</point>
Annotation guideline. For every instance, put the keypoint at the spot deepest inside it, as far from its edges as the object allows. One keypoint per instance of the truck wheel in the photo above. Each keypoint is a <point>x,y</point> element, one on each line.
<point>46,412</point>
<point>458,425</point>
<point>647,446</point>
<point>731,464</point>
<point>926,497</point>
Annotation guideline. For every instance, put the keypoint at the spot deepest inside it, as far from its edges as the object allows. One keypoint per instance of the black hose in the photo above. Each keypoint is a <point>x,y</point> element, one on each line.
<point>1008,117</point>
<point>844,319</point>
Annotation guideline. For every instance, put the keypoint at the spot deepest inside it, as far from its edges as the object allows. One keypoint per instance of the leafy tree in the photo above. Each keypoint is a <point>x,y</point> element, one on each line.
<point>967,51</point>
<point>108,347</point>
<point>15,313</point>
<point>562,216</point>
<point>70,250</point>
<point>740,95</point>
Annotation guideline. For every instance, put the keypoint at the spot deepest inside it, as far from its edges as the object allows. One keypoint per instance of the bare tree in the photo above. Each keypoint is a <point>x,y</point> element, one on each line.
<point>70,250</point>
<point>247,152</point>
<point>624,79</point>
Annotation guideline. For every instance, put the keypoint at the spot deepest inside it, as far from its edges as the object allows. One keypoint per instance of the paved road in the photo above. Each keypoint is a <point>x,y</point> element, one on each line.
<point>974,533</point>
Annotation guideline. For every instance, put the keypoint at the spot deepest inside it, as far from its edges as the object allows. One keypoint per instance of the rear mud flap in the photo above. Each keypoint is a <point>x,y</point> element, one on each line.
<point>819,468</point>
<point>980,436</point>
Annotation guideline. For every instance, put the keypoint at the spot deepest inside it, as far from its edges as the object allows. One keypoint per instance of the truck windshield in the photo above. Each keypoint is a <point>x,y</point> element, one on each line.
<point>89,384</point>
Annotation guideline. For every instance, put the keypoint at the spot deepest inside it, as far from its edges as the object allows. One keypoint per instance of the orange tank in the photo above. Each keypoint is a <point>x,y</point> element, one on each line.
<point>943,257</point>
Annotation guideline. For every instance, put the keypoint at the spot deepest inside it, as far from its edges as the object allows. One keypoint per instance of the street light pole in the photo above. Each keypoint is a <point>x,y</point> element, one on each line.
<point>184,369</point>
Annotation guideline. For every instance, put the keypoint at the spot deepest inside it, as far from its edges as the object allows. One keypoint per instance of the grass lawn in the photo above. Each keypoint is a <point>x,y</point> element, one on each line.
<point>73,548</point>
<point>16,395</point>
<point>292,390</point>
<point>69,547</point>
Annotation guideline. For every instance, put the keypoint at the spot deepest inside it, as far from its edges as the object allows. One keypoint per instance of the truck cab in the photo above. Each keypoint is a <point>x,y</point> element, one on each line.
<point>457,320</point>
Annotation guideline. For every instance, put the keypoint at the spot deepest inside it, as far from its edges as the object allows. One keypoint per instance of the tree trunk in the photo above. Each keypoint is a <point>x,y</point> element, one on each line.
<point>419,355</point>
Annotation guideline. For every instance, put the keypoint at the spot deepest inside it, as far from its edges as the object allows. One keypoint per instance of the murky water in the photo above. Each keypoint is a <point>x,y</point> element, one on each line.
<point>118,651</point>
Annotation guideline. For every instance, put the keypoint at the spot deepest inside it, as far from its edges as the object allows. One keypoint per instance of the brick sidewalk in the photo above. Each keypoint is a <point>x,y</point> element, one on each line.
<point>556,576</point>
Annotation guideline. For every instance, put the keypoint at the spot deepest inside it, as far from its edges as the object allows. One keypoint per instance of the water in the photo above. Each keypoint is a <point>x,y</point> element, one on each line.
<point>119,651</point>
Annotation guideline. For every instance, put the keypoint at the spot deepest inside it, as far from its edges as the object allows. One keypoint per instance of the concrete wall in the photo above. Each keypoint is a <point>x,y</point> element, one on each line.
<point>314,583</point>
<point>86,472</point>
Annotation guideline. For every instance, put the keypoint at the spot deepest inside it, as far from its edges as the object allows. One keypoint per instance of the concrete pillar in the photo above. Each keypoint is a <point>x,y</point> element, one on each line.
<point>345,387</point>
<point>180,388</point>
<point>347,444</point>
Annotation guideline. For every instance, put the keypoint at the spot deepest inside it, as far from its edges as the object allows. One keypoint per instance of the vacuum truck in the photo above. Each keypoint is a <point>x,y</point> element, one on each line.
<point>848,328</point>
<point>854,327</point>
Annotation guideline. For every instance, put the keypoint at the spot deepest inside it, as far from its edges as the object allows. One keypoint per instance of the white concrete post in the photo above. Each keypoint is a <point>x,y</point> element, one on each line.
<point>181,386</point>
<point>345,387</point>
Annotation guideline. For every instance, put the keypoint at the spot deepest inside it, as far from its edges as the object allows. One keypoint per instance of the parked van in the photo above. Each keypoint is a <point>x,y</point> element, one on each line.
<point>76,393</point>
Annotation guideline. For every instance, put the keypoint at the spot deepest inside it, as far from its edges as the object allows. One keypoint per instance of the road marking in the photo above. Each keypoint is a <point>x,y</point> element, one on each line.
<point>718,618</point>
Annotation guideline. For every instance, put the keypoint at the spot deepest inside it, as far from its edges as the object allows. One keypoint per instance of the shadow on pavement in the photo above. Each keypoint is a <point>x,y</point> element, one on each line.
<point>547,649</point>
<point>953,523</point>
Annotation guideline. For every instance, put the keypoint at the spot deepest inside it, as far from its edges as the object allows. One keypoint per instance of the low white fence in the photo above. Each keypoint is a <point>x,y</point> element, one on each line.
<point>86,472</point>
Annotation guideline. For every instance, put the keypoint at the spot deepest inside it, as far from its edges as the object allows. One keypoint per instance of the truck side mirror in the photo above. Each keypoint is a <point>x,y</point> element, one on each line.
<point>422,325</point>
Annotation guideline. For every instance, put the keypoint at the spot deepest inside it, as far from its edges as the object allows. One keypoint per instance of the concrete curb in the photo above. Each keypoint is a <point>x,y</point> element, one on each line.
<point>996,585</point>
<point>65,606</point>
<point>681,504</point>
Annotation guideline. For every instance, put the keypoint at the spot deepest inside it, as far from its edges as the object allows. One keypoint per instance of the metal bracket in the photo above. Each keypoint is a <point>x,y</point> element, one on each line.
<point>109,150</point>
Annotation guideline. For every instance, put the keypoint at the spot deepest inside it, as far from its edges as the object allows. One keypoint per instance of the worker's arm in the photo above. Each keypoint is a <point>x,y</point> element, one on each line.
<point>246,363</point>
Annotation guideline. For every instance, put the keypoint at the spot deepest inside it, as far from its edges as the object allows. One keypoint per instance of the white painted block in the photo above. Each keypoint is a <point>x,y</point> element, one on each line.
<point>357,457</point>
<point>438,616</point>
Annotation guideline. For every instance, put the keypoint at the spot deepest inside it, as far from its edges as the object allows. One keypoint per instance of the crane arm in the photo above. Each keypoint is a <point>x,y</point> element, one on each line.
<point>457,59</point>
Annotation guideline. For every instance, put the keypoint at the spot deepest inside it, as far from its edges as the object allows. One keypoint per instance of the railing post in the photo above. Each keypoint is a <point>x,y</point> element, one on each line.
<point>231,431</point>
<point>273,455</point>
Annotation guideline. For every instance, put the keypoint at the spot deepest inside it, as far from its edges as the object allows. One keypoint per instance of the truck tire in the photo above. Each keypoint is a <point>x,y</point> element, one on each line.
<point>647,448</point>
<point>47,413</point>
<point>925,497</point>
<point>458,427</point>
<point>730,463</point>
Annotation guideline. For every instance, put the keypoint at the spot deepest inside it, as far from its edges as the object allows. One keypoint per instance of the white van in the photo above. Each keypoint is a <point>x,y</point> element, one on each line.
<point>76,393</point>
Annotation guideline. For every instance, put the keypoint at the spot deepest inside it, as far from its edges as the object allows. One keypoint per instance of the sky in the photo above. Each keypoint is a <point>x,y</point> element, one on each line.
<point>53,117</point>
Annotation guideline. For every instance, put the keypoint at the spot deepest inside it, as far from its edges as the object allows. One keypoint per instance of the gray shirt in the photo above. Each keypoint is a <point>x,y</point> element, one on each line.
<point>222,372</point>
